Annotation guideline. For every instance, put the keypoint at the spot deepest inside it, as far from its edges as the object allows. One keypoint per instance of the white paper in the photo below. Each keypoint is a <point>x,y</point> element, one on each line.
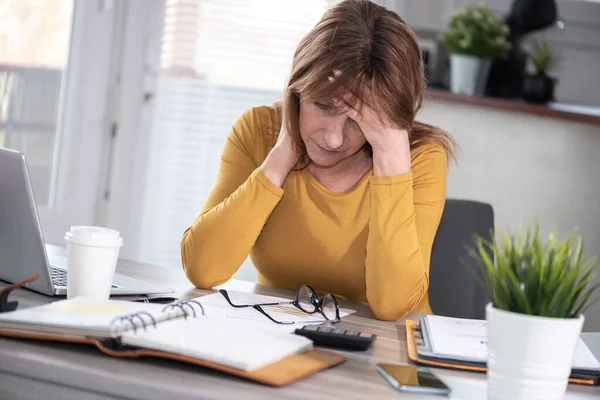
<point>456,337</point>
<point>222,341</point>
<point>215,305</point>
<point>584,358</point>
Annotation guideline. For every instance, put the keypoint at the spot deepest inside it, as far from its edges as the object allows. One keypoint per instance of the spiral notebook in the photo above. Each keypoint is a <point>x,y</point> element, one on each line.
<point>177,331</point>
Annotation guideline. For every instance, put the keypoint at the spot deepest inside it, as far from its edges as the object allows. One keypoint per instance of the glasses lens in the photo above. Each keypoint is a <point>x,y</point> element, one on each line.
<point>328,308</point>
<point>305,300</point>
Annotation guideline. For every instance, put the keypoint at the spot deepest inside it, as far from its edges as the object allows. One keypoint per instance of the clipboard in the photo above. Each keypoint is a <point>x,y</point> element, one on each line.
<point>419,352</point>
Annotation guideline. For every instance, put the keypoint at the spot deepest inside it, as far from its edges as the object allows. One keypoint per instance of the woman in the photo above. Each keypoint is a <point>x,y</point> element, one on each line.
<point>339,187</point>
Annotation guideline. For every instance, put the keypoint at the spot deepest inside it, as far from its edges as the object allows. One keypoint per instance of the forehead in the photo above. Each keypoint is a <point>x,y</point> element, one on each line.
<point>341,90</point>
<point>342,97</point>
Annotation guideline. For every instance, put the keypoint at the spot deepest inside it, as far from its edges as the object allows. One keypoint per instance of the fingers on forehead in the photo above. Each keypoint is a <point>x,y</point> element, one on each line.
<point>344,92</point>
<point>355,95</point>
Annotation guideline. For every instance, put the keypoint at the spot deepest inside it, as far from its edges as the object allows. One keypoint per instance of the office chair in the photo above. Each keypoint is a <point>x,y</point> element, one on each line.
<point>453,291</point>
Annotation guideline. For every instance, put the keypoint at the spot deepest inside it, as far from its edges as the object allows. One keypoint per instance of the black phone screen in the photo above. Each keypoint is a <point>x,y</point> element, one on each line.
<point>413,376</point>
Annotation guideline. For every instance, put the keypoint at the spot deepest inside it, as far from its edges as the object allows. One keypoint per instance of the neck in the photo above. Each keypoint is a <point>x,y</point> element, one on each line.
<point>343,175</point>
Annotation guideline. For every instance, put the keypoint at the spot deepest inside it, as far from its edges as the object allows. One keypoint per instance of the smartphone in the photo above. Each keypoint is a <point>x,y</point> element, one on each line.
<point>406,378</point>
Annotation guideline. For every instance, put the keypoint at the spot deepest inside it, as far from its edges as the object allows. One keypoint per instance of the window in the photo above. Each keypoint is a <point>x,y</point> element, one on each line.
<point>34,50</point>
<point>219,57</point>
<point>56,58</point>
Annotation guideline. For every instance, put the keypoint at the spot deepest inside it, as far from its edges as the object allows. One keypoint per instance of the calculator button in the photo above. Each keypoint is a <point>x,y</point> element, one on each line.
<point>351,332</point>
<point>311,328</point>
<point>337,337</point>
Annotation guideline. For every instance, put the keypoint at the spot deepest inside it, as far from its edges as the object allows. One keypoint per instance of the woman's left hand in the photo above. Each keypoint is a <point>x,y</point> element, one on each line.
<point>390,143</point>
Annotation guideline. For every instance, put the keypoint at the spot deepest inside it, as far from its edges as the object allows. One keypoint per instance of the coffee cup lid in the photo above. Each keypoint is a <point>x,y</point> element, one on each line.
<point>94,236</point>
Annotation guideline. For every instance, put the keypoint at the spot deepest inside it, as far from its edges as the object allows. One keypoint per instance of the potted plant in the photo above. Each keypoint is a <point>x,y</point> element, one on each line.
<point>538,293</point>
<point>474,36</point>
<point>539,87</point>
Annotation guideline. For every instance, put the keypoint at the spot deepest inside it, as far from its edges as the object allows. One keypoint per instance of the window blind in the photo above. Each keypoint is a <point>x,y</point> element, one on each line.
<point>219,57</point>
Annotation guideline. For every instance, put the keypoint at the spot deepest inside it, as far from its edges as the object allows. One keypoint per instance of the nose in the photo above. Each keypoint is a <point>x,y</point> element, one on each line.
<point>334,136</point>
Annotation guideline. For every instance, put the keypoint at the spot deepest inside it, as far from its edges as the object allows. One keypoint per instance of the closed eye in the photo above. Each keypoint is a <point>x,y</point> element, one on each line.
<point>322,106</point>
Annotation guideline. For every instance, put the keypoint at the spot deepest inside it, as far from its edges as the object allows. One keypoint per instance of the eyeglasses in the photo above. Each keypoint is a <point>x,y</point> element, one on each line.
<point>306,301</point>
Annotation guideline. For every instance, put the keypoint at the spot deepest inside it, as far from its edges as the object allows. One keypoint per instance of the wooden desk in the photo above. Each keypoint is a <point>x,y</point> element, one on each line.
<point>35,370</point>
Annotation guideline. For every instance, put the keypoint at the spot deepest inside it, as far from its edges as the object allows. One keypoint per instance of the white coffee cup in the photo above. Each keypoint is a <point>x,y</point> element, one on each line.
<point>92,254</point>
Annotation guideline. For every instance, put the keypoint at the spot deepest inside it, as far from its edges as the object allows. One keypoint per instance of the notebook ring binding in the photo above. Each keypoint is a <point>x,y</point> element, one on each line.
<point>130,318</point>
<point>182,304</point>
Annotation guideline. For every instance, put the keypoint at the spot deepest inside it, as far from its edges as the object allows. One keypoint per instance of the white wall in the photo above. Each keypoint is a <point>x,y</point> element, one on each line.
<point>527,167</point>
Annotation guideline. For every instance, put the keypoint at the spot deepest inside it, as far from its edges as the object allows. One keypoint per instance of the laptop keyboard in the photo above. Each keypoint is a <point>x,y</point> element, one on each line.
<point>59,277</point>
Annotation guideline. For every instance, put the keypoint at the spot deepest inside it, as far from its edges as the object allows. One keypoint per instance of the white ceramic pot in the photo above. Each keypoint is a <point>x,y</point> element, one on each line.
<point>468,74</point>
<point>529,357</point>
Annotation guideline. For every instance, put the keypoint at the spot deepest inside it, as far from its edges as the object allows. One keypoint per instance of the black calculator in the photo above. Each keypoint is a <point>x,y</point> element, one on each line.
<point>347,339</point>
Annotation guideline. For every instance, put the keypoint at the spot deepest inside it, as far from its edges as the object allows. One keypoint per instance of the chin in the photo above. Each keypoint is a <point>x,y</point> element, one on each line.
<point>324,160</point>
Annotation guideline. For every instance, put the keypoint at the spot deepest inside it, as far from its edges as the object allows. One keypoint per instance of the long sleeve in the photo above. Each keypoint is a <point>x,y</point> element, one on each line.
<point>405,213</point>
<point>236,210</point>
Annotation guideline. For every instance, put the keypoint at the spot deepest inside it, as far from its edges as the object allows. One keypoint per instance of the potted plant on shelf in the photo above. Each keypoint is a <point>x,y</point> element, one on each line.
<point>539,87</point>
<point>538,293</point>
<point>474,37</point>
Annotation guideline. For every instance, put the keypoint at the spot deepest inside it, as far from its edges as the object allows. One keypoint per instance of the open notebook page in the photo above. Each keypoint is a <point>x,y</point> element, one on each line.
<point>85,317</point>
<point>457,337</point>
<point>226,342</point>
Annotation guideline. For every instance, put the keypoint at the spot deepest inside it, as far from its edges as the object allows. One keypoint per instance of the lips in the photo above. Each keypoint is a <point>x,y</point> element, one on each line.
<point>325,151</point>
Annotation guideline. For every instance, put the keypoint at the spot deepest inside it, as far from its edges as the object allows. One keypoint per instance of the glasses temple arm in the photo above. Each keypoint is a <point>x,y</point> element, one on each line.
<point>226,295</point>
<point>263,312</point>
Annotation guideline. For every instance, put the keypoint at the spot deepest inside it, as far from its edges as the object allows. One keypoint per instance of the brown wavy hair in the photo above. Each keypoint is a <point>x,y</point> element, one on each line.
<point>372,47</point>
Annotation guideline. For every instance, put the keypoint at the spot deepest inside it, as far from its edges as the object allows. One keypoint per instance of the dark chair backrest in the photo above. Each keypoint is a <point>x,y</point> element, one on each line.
<point>453,290</point>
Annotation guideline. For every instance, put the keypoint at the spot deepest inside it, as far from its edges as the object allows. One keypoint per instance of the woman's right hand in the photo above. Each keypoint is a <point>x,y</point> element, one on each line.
<point>281,159</point>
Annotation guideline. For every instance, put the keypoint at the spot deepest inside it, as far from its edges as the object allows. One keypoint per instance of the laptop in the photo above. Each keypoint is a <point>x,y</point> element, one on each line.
<point>23,251</point>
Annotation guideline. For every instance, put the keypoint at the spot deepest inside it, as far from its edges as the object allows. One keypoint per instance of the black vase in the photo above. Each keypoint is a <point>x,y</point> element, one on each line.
<point>538,88</point>
<point>506,74</point>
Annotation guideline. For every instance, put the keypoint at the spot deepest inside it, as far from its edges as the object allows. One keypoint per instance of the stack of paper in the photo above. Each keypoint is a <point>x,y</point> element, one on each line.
<point>87,317</point>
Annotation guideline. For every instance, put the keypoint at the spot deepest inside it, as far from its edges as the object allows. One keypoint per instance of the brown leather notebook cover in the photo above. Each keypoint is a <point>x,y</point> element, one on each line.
<point>414,356</point>
<point>280,373</point>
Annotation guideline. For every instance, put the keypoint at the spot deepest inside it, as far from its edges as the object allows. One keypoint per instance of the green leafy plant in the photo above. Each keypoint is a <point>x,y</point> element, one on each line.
<point>474,30</point>
<point>531,277</point>
<point>543,56</point>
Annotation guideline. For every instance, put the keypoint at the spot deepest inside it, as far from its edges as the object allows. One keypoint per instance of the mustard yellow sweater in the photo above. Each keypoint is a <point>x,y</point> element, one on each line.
<point>371,243</point>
